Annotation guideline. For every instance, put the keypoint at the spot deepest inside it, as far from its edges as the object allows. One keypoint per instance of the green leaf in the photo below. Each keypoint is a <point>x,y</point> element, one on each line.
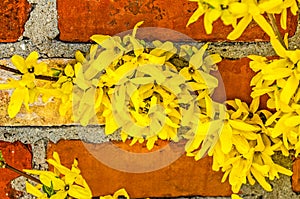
<point>2,161</point>
<point>55,72</point>
<point>1,156</point>
<point>48,190</point>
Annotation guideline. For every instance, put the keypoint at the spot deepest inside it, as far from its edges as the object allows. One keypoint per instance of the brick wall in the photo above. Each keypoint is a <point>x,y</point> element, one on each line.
<point>56,29</point>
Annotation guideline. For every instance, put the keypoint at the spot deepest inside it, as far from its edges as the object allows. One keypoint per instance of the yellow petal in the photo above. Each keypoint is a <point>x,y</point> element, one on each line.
<point>150,142</point>
<point>241,144</point>
<point>226,138</point>
<point>79,57</point>
<point>240,28</point>
<point>121,192</point>
<point>19,63</point>
<point>136,27</point>
<point>34,191</point>
<point>16,100</point>
<point>62,169</point>
<point>48,177</point>
<point>260,144</point>
<point>32,57</point>
<point>240,125</point>
<point>269,5</point>
<point>207,24</point>
<point>283,18</point>
<point>60,194</point>
<point>261,180</point>
<point>277,46</point>
<point>292,121</point>
<point>272,119</point>
<point>283,170</point>
<point>262,22</point>
<point>289,90</point>
<point>110,125</point>
<point>198,13</point>
<point>160,50</point>
<point>6,86</point>
<point>153,71</point>
<point>212,59</point>
<point>237,8</point>
<point>79,192</point>
<point>254,104</point>
<point>99,39</point>
<point>69,71</point>
<point>277,73</point>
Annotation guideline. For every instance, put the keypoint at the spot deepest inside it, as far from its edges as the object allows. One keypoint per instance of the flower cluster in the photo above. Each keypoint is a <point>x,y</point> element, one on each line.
<point>239,14</point>
<point>60,183</point>
<point>39,81</point>
<point>279,80</point>
<point>245,147</point>
<point>140,90</point>
<point>156,91</point>
<point>25,89</point>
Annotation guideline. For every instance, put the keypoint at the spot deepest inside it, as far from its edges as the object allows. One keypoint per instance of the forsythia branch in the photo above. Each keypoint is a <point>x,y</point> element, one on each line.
<point>276,30</point>
<point>41,77</point>
<point>5,165</point>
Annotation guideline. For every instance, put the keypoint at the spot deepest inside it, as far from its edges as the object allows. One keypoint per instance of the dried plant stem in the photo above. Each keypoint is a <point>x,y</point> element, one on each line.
<point>276,30</point>
<point>41,77</point>
<point>5,165</point>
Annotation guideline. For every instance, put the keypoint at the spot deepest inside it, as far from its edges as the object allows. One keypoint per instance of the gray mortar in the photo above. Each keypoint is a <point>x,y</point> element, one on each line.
<point>41,32</point>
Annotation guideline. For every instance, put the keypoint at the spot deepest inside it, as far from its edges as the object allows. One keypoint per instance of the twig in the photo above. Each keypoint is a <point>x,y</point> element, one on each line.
<point>2,67</point>
<point>5,165</point>
<point>276,30</point>
<point>41,77</point>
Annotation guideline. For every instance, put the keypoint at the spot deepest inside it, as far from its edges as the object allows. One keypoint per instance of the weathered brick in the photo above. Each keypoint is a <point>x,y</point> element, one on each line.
<point>296,175</point>
<point>80,19</point>
<point>19,156</point>
<point>183,177</point>
<point>13,15</point>
<point>236,76</point>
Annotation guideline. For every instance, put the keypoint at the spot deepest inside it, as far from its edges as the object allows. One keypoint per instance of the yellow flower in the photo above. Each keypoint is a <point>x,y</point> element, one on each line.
<point>245,11</point>
<point>71,184</point>
<point>228,11</point>
<point>199,68</point>
<point>30,64</point>
<point>120,193</point>
<point>65,82</point>
<point>279,78</point>
<point>25,91</point>
<point>35,190</point>
<point>235,196</point>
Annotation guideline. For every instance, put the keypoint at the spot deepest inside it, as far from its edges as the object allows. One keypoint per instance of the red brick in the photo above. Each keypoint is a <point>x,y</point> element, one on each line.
<point>19,156</point>
<point>79,19</point>
<point>236,76</point>
<point>234,81</point>
<point>183,177</point>
<point>13,15</point>
<point>296,175</point>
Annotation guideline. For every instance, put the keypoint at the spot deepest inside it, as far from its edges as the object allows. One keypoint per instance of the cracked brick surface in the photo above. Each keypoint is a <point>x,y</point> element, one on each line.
<point>80,19</point>
<point>182,177</point>
<point>19,156</point>
<point>13,15</point>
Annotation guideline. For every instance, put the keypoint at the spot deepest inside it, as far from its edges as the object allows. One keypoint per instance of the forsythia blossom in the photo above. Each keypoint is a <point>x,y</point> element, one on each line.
<point>239,14</point>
